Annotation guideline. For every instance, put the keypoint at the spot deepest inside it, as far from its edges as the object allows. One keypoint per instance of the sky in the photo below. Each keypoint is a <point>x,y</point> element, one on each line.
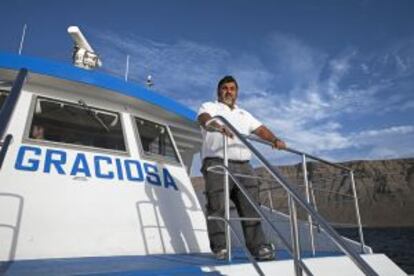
<point>332,78</point>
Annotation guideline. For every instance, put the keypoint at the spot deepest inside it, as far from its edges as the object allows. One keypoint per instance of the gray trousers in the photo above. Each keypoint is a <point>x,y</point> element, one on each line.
<point>214,182</point>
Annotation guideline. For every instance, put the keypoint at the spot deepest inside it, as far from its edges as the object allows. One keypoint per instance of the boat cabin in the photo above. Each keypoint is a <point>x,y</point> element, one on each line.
<point>96,167</point>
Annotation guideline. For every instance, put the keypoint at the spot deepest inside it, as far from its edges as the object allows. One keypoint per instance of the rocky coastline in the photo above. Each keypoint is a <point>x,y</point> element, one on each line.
<point>385,190</point>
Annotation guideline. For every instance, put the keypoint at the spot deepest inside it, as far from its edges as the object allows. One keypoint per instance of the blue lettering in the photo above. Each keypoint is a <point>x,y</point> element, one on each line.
<point>97,160</point>
<point>28,159</point>
<point>32,164</point>
<point>80,165</point>
<point>168,179</point>
<point>57,163</point>
<point>129,173</point>
<point>119,169</point>
<point>152,174</point>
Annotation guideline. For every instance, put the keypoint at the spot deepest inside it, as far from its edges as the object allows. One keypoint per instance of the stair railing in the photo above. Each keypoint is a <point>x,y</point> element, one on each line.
<point>294,198</point>
<point>310,197</point>
<point>298,262</point>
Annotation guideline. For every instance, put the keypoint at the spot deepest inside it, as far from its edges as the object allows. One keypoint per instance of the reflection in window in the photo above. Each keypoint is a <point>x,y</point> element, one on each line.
<point>155,140</point>
<point>3,96</point>
<point>77,124</point>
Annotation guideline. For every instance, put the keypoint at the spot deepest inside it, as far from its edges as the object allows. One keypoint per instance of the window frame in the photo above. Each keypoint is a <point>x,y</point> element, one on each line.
<point>30,117</point>
<point>4,91</point>
<point>155,157</point>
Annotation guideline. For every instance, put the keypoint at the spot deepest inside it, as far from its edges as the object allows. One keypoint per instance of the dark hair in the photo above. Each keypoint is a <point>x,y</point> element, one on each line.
<point>226,79</point>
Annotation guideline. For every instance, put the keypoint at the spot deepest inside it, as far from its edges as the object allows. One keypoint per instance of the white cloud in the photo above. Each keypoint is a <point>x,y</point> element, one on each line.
<point>302,93</point>
<point>179,70</point>
<point>293,60</point>
<point>391,142</point>
<point>407,105</point>
<point>395,130</point>
<point>365,68</point>
<point>313,119</point>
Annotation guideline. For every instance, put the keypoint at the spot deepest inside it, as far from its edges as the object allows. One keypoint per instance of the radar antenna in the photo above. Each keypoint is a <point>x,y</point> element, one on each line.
<point>83,54</point>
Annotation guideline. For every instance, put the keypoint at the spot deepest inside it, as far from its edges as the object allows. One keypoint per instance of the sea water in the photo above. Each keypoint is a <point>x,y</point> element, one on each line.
<point>396,242</point>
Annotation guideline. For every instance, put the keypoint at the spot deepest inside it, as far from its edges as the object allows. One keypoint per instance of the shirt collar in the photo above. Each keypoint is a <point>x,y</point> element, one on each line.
<point>235,106</point>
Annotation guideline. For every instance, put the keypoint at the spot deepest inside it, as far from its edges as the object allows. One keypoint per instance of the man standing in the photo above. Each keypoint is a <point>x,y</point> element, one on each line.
<point>239,157</point>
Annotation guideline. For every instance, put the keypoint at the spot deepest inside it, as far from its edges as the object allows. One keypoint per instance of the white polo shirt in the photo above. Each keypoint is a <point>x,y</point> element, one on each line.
<point>242,120</point>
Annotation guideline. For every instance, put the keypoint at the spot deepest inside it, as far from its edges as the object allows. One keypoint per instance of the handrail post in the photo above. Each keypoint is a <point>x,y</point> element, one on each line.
<point>269,193</point>
<point>358,215</point>
<point>307,190</point>
<point>314,204</point>
<point>295,235</point>
<point>267,220</point>
<point>226,198</point>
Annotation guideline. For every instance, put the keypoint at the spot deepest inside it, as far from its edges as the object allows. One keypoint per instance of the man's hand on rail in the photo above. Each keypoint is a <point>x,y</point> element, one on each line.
<point>213,126</point>
<point>224,130</point>
<point>278,144</point>
<point>267,135</point>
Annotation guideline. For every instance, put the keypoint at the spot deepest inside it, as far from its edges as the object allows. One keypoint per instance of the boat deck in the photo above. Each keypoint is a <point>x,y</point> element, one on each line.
<point>159,264</point>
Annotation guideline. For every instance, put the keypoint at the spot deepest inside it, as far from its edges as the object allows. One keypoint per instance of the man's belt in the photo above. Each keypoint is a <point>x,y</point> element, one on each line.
<point>222,161</point>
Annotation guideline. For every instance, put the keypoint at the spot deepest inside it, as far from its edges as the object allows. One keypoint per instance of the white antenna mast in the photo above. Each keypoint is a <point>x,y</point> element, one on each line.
<point>127,68</point>
<point>22,39</point>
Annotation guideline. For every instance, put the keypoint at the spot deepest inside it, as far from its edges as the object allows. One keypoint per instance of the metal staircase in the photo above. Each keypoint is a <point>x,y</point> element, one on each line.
<point>294,199</point>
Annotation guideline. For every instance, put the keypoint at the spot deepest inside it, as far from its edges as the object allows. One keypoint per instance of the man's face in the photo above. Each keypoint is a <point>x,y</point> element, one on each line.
<point>228,93</point>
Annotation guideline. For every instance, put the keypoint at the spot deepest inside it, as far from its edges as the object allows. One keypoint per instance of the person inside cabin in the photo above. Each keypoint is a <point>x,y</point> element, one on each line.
<point>38,132</point>
<point>238,160</point>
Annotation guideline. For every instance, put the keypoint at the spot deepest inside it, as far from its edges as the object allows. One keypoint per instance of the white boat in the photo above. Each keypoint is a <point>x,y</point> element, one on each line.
<point>94,179</point>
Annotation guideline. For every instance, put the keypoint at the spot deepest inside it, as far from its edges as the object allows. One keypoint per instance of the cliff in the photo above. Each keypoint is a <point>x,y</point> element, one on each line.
<point>385,190</point>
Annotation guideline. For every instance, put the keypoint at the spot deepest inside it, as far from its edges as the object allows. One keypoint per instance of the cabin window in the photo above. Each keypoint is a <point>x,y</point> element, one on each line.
<point>156,140</point>
<point>77,124</point>
<point>3,96</point>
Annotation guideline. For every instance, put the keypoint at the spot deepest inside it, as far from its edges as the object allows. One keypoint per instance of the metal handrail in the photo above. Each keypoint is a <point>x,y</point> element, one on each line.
<point>309,189</point>
<point>261,214</point>
<point>240,175</point>
<point>297,152</point>
<point>332,234</point>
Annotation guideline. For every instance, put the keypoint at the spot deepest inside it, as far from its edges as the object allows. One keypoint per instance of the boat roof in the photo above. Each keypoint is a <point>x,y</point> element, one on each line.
<point>95,78</point>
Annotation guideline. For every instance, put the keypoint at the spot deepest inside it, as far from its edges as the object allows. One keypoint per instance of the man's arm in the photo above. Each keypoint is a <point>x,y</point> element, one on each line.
<point>266,134</point>
<point>203,118</point>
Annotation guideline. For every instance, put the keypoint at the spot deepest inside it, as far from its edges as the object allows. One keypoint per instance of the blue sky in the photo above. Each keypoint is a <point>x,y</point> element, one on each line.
<point>333,78</point>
